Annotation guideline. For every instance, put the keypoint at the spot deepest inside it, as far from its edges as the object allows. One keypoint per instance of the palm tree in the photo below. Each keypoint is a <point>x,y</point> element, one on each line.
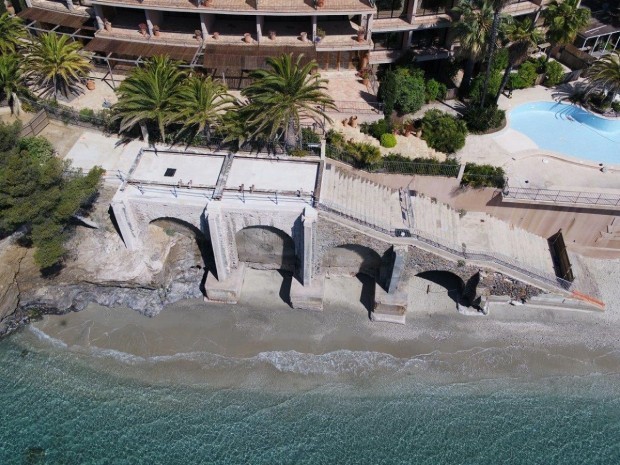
<point>56,65</point>
<point>522,35</point>
<point>472,31</point>
<point>604,75</point>
<point>11,81</point>
<point>12,31</point>
<point>282,96</point>
<point>200,103</point>
<point>565,19</point>
<point>147,95</point>
<point>498,6</point>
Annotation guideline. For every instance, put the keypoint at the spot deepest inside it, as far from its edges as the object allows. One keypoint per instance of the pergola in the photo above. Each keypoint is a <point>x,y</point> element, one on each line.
<point>599,38</point>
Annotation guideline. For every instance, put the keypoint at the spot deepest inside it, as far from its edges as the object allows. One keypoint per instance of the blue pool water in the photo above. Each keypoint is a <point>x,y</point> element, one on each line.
<point>57,409</point>
<point>569,130</point>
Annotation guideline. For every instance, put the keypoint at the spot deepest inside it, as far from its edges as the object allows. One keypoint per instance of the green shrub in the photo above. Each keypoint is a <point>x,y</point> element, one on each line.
<point>86,115</point>
<point>376,129</point>
<point>402,90</point>
<point>421,166</point>
<point>309,136</point>
<point>616,107</point>
<point>360,155</point>
<point>554,73</point>
<point>443,132</point>
<point>480,120</point>
<point>483,176</point>
<point>525,76</point>
<point>435,90</point>
<point>37,147</point>
<point>388,140</point>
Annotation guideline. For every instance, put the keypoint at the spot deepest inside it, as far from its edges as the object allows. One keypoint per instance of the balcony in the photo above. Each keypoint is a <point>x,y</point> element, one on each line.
<point>340,35</point>
<point>287,33</point>
<point>251,7</point>
<point>57,14</point>
<point>432,52</point>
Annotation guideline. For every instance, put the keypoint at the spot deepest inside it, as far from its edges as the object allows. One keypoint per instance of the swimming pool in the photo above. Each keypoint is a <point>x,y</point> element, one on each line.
<point>569,130</point>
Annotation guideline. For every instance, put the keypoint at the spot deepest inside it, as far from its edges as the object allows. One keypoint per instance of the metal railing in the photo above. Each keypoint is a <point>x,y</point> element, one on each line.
<point>459,251</point>
<point>344,106</point>
<point>561,196</point>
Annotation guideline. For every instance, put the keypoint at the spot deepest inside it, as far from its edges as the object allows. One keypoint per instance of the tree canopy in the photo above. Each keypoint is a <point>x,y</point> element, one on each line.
<point>37,196</point>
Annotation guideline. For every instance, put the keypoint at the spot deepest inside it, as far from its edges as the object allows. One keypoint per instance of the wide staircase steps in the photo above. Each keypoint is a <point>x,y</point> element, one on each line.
<point>362,199</point>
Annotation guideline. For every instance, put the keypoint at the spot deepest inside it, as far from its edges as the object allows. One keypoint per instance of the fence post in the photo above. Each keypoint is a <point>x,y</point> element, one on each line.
<point>459,176</point>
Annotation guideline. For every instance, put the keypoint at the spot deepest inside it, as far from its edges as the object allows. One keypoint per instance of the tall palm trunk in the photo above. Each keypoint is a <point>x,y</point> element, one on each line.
<point>290,135</point>
<point>468,73</point>
<point>490,55</point>
<point>145,132</point>
<point>502,86</point>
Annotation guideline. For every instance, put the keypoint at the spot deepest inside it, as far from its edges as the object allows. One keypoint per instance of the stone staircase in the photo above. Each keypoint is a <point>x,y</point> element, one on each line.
<point>362,200</point>
<point>480,232</point>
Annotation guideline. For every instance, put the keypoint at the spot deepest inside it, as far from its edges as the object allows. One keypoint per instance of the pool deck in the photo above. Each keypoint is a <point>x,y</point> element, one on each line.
<point>524,161</point>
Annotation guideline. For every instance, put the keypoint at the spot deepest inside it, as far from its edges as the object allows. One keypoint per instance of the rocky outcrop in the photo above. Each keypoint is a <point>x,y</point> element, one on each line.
<point>100,270</point>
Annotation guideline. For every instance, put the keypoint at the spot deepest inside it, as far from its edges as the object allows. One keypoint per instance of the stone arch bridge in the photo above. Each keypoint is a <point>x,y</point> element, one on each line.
<point>268,213</point>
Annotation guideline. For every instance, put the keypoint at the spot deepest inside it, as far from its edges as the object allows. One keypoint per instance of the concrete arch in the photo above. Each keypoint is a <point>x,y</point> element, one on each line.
<point>352,259</point>
<point>266,247</point>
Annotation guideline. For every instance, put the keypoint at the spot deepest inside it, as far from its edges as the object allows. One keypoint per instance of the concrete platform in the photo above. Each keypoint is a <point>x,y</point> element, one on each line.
<point>308,297</point>
<point>228,290</point>
<point>390,308</point>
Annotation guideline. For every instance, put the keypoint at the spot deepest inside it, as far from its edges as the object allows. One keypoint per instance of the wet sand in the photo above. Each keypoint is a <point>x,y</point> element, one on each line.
<point>262,340</point>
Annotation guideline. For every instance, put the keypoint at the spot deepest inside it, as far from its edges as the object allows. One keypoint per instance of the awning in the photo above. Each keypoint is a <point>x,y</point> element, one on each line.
<point>141,49</point>
<point>61,18</point>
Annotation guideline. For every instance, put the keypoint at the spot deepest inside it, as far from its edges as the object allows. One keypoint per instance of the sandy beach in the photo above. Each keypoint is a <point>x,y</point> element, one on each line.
<point>262,341</point>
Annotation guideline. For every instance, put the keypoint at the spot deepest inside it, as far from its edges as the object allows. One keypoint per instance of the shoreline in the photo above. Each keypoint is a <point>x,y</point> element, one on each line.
<point>261,343</point>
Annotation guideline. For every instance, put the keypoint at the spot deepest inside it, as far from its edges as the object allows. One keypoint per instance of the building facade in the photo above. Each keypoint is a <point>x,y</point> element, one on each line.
<point>231,37</point>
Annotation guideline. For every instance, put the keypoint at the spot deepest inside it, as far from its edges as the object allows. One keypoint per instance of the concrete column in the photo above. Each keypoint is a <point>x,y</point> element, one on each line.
<point>206,24</point>
<point>218,240</point>
<point>323,148</point>
<point>260,24</point>
<point>29,3</point>
<point>310,218</point>
<point>314,26</point>
<point>412,6</point>
<point>400,260</point>
<point>153,17</point>
<point>99,17</point>
<point>369,21</point>
<point>125,222</point>
<point>69,4</point>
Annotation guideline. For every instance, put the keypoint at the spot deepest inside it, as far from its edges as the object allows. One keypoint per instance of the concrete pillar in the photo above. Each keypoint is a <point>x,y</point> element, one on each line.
<point>309,219</point>
<point>400,260</point>
<point>369,21</point>
<point>153,17</point>
<point>99,17</point>
<point>126,225</point>
<point>412,6</point>
<point>69,4</point>
<point>29,3</point>
<point>323,148</point>
<point>314,26</point>
<point>260,24</point>
<point>206,24</point>
<point>218,240</point>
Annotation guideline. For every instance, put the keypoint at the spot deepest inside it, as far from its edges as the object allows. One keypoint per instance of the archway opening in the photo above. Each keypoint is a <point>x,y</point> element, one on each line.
<point>360,262</point>
<point>449,281</point>
<point>203,251</point>
<point>266,248</point>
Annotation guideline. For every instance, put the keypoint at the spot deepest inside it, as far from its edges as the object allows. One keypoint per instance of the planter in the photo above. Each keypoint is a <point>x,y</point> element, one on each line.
<point>366,82</point>
<point>142,28</point>
<point>90,84</point>
<point>216,35</point>
<point>304,36</point>
<point>361,35</point>
<point>247,38</point>
<point>10,9</point>
<point>320,3</point>
<point>107,25</point>
<point>156,31</point>
<point>198,34</point>
<point>272,35</point>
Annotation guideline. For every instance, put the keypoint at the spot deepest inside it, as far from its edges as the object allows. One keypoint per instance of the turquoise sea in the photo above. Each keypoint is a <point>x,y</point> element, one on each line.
<point>62,407</point>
